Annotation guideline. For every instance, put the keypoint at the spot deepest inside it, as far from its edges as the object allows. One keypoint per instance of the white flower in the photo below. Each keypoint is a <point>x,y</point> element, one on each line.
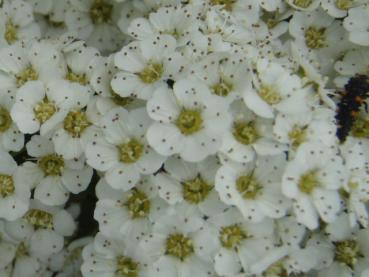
<point>14,193</point>
<point>248,136</point>
<point>128,215</point>
<point>357,25</point>
<point>356,191</point>
<point>44,226</point>
<point>276,90</point>
<point>318,125</point>
<point>351,256</point>
<point>72,129</point>
<point>147,65</point>
<point>312,179</point>
<point>173,247</point>
<point>11,139</point>
<point>339,8</point>
<point>17,23</point>
<point>226,76</point>
<point>189,120</point>
<point>111,257</point>
<point>52,176</point>
<point>95,22</point>
<point>320,36</point>
<point>190,185</point>
<point>354,62</point>
<point>254,188</point>
<point>18,64</point>
<point>177,21</point>
<point>234,244</point>
<point>124,152</point>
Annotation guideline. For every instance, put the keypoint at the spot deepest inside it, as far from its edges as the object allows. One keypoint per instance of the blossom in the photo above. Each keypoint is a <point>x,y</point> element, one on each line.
<point>124,152</point>
<point>189,120</point>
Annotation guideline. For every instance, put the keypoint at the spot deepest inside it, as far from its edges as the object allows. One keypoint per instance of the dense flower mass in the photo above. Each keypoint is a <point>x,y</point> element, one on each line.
<point>201,138</point>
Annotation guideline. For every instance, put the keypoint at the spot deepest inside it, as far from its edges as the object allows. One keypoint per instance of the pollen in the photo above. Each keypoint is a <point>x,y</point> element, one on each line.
<point>39,219</point>
<point>308,182</point>
<point>179,246</point>
<point>189,121</point>
<point>223,88</point>
<point>44,110</point>
<point>75,123</point>
<point>131,151</point>
<point>245,132</point>
<point>138,204</point>
<point>270,95</point>
<point>231,236</point>
<point>344,4</point>
<point>101,12</point>
<point>196,190</point>
<point>126,267</point>
<point>51,165</point>
<point>315,38</point>
<point>248,186</point>
<point>27,74</point>
<point>151,73</point>
<point>11,32</point>
<point>228,4</point>
<point>5,120</point>
<point>6,185</point>
<point>347,252</point>
<point>80,78</point>
<point>302,3</point>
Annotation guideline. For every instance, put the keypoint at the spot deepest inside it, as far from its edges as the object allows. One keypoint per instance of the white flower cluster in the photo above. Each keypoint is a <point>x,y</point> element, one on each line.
<point>143,138</point>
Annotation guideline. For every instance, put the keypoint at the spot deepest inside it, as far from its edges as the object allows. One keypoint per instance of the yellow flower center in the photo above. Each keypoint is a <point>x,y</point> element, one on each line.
<point>344,4</point>
<point>223,88</point>
<point>276,269</point>
<point>44,110</point>
<point>5,120</point>
<point>75,123</point>
<point>245,132</point>
<point>231,236</point>
<point>6,185</point>
<point>138,204</point>
<point>126,267</point>
<point>151,73</point>
<point>297,136</point>
<point>189,121</point>
<point>131,151</point>
<point>248,186</point>
<point>360,128</point>
<point>22,250</point>
<point>76,77</point>
<point>27,74</point>
<point>52,164</point>
<point>179,246</point>
<point>302,3</point>
<point>39,219</point>
<point>347,252</point>
<point>308,182</point>
<point>196,190</point>
<point>228,4</point>
<point>119,100</point>
<point>315,38</point>
<point>270,94</point>
<point>11,32</point>
<point>101,11</point>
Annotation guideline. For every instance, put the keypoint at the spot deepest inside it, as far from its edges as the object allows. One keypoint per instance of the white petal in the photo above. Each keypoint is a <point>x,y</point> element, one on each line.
<point>7,163</point>
<point>328,203</point>
<point>44,243</point>
<point>64,223</point>
<point>77,180</point>
<point>101,155</point>
<point>51,192</point>
<point>39,146</point>
<point>122,176</point>
<point>226,262</point>
<point>305,212</point>
<point>166,139</point>
<point>13,139</point>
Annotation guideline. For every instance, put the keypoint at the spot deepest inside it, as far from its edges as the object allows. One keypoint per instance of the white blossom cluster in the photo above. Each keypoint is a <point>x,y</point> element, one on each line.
<point>143,138</point>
